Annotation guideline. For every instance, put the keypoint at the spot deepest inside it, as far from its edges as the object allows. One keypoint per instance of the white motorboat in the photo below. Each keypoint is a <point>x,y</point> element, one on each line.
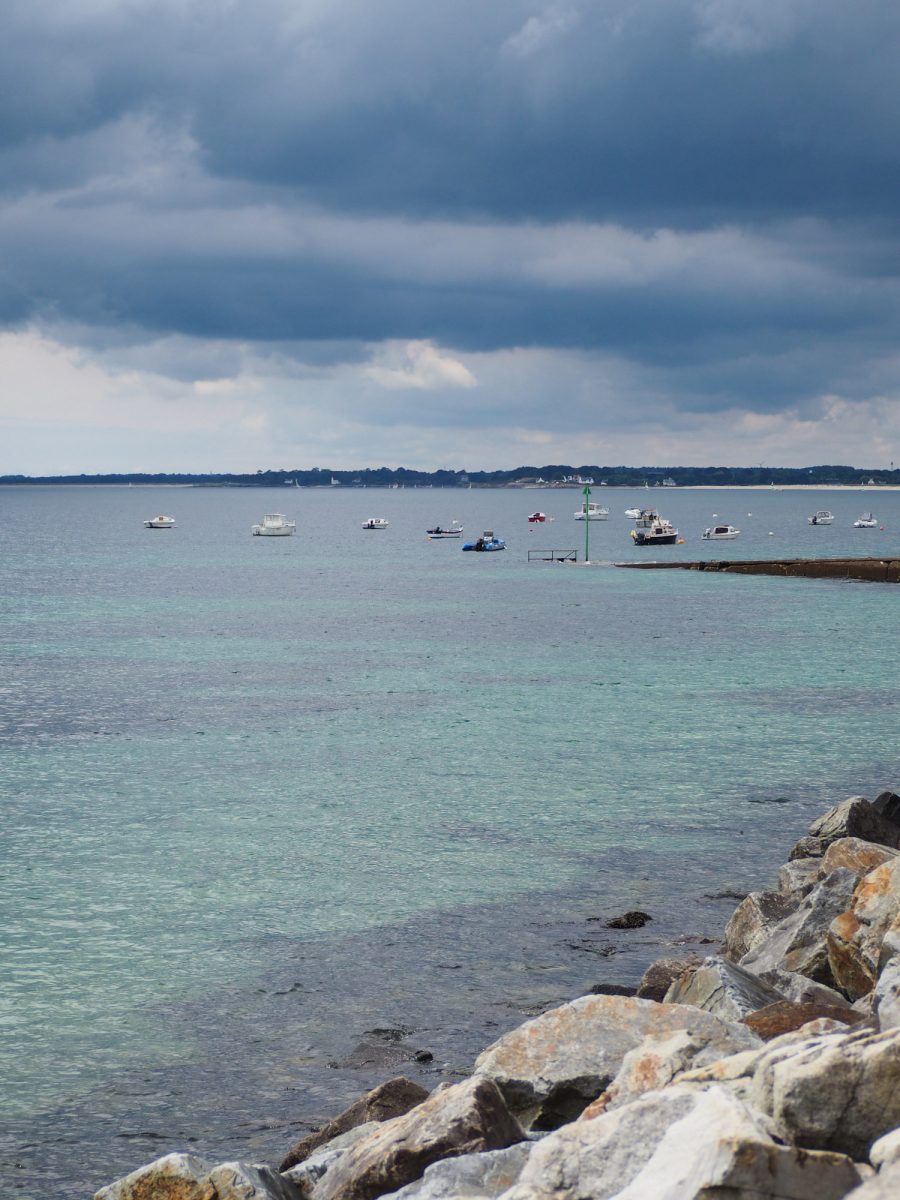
<point>632,513</point>
<point>822,517</point>
<point>591,511</point>
<point>453,530</point>
<point>653,530</point>
<point>160,523</point>
<point>274,525</point>
<point>719,533</point>
<point>866,521</point>
<point>375,523</point>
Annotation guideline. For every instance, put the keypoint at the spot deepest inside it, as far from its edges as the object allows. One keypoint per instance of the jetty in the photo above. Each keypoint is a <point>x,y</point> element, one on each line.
<point>874,570</point>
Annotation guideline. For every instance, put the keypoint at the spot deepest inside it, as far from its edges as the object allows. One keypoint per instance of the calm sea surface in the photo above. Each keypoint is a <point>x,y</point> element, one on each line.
<point>267,799</point>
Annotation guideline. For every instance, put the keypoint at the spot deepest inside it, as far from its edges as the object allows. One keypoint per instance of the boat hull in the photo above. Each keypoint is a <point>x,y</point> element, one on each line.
<point>257,532</point>
<point>662,539</point>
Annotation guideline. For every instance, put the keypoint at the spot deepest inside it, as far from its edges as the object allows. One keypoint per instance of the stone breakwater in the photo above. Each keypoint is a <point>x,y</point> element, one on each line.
<point>767,1071</point>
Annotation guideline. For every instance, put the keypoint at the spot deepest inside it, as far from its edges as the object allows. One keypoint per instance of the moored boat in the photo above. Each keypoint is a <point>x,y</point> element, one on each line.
<point>274,525</point>
<point>591,511</point>
<point>717,533</point>
<point>822,517</point>
<point>866,521</point>
<point>487,542</point>
<point>160,522</point>
<point>537,518</point>
<point>375,523</point>
<point>653,530</point>
<point>453,530</point>
<point>633,513</point>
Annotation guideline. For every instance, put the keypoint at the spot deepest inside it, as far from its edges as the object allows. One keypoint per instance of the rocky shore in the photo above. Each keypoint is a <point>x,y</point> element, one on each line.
<point>769,1070</point>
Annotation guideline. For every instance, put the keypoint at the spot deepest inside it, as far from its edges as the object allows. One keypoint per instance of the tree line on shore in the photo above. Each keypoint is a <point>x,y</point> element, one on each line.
<point>552,475</point>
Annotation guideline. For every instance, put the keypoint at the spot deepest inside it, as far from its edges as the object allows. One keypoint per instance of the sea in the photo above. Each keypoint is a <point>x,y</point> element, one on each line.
<point>283,817</point>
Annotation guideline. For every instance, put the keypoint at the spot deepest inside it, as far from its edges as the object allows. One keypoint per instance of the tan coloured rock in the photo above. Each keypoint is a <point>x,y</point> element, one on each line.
<point>855,937</point>
<point>550,1068</point>
<point>467,1118</point>
<point>388,1100</point>
<point>174,1177</point>
<point>753,920</point>
<point>785,1016</point>
<point>853,854</point>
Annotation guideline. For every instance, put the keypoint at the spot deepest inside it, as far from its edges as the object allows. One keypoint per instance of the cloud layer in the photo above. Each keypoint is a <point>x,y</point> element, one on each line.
<point>332,230</point>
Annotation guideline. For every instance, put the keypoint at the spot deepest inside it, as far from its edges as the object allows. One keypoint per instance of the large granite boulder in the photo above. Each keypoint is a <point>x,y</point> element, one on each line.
<point>724,989</point>
<point>784,1016</point>
<point>174,1177</point>
<point>658,1060</point>
<point>886,1000</point>
<point>388,1100</point>
<point>798,943</point>
<point>551,1067</point>
<point>240,1181</point>
<point>856,936</point>
<point>883,1186</point>
<point>467,1118</point>
<point>853,854</point>
<point>802,990</point>
<point>678,1144</point>
<point>754,919</point>
<point>475,1176</point>
<point>856,817</point>
<point>799,876</point>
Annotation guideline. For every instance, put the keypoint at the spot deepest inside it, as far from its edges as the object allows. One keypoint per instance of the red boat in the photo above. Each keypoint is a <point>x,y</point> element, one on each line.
<point>536,517</point>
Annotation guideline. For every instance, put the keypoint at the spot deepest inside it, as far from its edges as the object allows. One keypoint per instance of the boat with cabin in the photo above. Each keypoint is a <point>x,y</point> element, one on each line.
<point>719,533</point>
<point>822,517</point>
<point>160,522</point>
<point>375,523</point>
<point>866,521</point>
<point>651,529</point>
<point>274,525</point>
<point>591,511</point>
<point>537,518</point>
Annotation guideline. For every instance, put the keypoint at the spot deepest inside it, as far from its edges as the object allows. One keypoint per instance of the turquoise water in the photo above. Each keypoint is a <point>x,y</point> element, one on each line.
<point>263,795</point>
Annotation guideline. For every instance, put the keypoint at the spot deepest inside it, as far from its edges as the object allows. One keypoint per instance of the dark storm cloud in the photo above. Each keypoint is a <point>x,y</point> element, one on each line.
<point>706,188</point>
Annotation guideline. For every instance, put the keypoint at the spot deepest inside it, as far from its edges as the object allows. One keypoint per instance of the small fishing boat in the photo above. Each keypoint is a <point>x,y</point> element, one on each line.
<point>653,530</point>
<point>453,530</point>
<point>866,521</point>
<point>591,511</point>
<point>375,523</point>
<point>274,525</point>
<point>632,513</point>
<point>537,518</point>
<point>822,517</point>
<point>486,542</point>
<point>719,533</point>
<point>160,523</point>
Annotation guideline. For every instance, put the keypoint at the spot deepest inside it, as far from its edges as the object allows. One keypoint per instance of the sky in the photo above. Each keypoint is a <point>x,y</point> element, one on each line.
<point>249,234</point>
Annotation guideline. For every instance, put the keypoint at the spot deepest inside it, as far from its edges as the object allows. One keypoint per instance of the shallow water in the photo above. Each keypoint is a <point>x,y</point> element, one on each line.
<point>264,796</point>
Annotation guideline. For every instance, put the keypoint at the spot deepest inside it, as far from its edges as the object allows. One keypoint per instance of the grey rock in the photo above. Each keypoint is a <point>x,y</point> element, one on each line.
<point>753,920</point>
<point>883,1186</point>
<point>857,936</point>
<point>308,1173</point>
<point>802,990</point>
<point>799,876</point>
<point>808,847</point>
<point>678,1144</point>
<point>887,804</point>
<point>479,1176</point>
<point>660,976</point>
<point>550,1068</point>
<point>886,998</point>
<point>390,1099</point>
<point>724,989</point>
<point>886,1150</point>
<point>464,1119</point>
<point>798,944</point>
<point>240,1181</point>
<point>856,817</point>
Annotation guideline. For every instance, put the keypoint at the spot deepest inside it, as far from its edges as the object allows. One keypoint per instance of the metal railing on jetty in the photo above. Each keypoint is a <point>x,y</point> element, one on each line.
<point>552,555</point>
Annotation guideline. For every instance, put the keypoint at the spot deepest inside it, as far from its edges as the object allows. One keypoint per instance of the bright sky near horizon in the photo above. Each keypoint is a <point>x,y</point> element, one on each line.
<point>241,234</point>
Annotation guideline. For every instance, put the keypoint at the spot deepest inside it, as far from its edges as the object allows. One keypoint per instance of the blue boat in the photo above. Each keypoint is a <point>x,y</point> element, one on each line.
<point>486,542</point>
